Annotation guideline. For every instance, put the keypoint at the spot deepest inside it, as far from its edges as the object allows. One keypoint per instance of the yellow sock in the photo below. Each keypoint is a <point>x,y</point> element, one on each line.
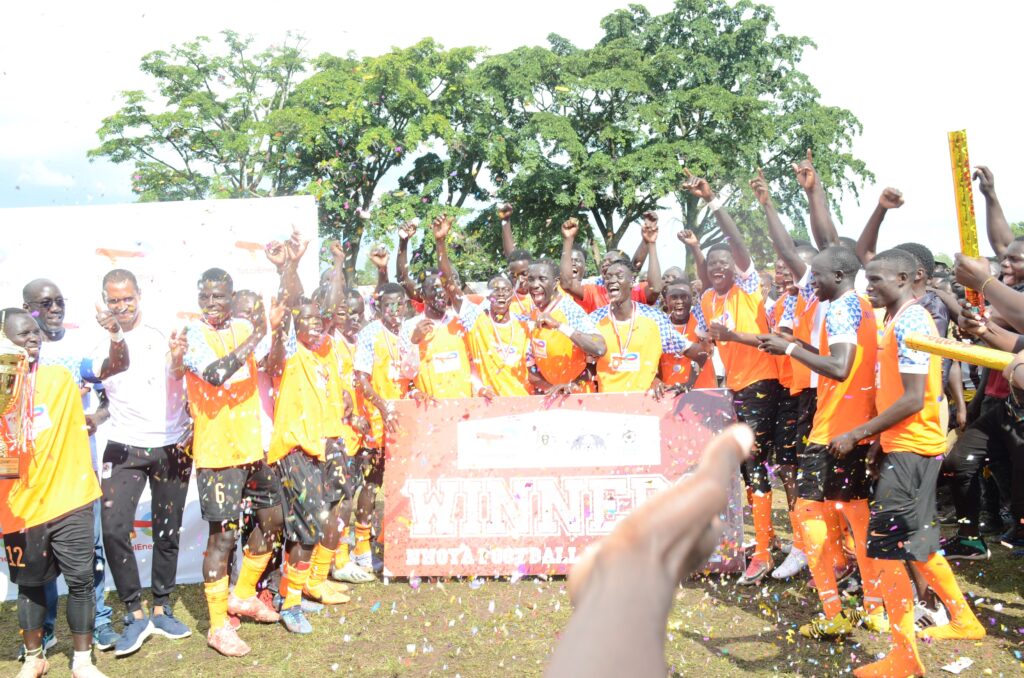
<point>362,539</point>
<point>292,582</point>
<point>319,566</point>
<point>341,556</point>
<point>217,601</point>
<point>249,575</point>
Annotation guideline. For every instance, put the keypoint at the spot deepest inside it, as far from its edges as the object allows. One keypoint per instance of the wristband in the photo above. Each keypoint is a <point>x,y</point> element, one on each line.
<point>987,281</point>
<point>116,337</point>
<point>715,205</point>
<point>567,330</point>
<point>791,348</point>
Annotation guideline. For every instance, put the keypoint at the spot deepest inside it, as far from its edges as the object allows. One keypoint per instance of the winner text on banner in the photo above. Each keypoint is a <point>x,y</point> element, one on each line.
<point>513,487</point>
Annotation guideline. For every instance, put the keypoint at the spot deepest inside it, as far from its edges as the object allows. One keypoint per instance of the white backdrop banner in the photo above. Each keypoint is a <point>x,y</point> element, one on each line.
<point>167,246</point>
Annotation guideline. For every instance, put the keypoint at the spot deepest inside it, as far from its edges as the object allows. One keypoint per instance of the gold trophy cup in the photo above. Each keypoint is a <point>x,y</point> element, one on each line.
<point>13,370</point>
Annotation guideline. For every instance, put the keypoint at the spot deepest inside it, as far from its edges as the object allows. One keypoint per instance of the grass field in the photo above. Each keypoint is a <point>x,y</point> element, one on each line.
<point>501,628</point>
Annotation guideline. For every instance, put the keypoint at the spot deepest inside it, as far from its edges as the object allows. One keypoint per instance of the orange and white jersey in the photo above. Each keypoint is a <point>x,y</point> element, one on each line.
<point>923,432</point>
<point>845,405</point>
<point>635,348</point>
<point>741,309</point>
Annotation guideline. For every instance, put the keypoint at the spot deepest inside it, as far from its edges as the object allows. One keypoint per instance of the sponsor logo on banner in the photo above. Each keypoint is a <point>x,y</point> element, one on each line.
<point>511,487</point>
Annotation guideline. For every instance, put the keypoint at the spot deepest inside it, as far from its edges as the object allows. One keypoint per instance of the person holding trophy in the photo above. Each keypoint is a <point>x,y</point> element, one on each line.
<point>46,510</point>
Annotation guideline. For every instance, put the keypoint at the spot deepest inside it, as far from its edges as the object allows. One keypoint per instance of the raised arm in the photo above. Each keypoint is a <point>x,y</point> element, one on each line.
<point>782,241</point>
<point>999,234</point>
<point>274,363</point>
<point>405,234</point>
<point>508,243</point>
<point>570,284</point>
<point>867,243</point>
<point>822,228</point>
<point>689,238</point>
<point>380,257</point>
<point>974,272</point>
<point>649,236</point>
<point>441,226</point>
<point>699,187</point>
<point>337,288</point>
<point>117,355</point>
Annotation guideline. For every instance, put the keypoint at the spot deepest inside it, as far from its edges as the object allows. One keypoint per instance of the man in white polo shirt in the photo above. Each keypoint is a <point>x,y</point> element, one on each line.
<point>147,421</point>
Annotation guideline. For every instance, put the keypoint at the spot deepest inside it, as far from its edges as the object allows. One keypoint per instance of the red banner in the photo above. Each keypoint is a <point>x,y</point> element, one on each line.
<point>513,487</point>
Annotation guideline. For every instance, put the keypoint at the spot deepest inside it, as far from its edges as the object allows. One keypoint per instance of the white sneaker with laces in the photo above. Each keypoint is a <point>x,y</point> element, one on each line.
<point>925,616</point>
<point>794,563</point>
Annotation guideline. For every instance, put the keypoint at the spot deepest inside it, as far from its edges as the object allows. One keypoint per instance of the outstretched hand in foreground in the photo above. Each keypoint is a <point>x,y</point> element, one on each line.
<point>623,589</point>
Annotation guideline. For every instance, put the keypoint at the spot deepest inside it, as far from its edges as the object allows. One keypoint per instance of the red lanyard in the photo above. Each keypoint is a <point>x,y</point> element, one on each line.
<point>629,335</point>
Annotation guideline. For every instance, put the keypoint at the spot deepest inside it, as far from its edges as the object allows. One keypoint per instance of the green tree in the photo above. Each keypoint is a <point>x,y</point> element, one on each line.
<point>710,85</point>
<point>367,119</point>
<point>219,127</point>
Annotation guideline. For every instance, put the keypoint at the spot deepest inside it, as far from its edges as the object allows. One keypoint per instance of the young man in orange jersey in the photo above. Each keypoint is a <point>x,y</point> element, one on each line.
<point>497,338</point>
<point>308,417</point>
<point>797,399</point>
<point>911,423</point>
<point>46,514</point>
<point>382,376</point>
<point>637,337</point>
<point>437,336</point>
<point>734,306</point>
<point>345,323</point>
<point>846,365</point>
<point>561,335</point>
<point>679,371</point>
<point>592,296</point>
<point>222,386</point>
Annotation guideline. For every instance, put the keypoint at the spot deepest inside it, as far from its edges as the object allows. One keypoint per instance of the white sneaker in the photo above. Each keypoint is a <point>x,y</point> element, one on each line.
<point>794,563</point>
<point>363,561</point>
<point>925,616</point>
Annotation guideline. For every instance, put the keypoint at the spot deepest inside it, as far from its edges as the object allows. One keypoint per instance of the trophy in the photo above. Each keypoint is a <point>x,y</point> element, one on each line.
<point>14,401</point>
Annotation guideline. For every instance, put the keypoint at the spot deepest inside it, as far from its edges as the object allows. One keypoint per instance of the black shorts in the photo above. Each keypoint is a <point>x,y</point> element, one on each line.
<point>756,406</point>
<point>807,407</point>
<point>786,432</point>
<point>302,492</point>
<point>366,467</point>
<point>335,461</point>
<point>38,554</point>
<point>822,477</point>
<point>903,523</point>
<point>222,491</point>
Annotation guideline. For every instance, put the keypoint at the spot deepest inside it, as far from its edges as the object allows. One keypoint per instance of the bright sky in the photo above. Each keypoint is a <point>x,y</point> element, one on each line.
<point>910,71</point>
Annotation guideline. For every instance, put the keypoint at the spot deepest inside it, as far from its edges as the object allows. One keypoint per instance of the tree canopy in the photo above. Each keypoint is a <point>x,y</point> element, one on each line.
<point>601,132</point>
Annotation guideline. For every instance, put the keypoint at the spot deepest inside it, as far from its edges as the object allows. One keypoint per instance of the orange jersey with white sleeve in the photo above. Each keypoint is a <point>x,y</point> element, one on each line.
<point>845,405</point>
<point>923,432</point>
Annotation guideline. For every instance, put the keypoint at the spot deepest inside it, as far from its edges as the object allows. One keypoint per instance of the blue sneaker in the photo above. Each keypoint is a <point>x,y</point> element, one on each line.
<point>295,621</point>
<point>169,626</point>
<point>105,637</point>
<point>134,634</point>
<point>310,606</point>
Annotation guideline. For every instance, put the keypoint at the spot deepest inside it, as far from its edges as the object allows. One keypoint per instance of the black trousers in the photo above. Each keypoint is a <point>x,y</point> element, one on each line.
<point>995,438</point>
<point>168,471</point>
